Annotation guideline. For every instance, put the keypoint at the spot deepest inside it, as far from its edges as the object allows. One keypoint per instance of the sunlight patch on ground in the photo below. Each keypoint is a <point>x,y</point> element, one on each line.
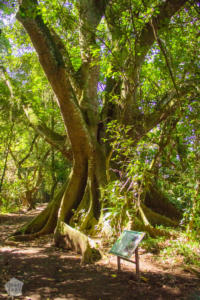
<point>31,251</point>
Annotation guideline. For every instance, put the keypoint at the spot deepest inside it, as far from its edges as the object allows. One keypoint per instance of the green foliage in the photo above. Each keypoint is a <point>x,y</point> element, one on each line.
<point>187,250</point>
<point>29,89</point>
<point>134,161</point>
<point>10,196</point>
<point>116,209</point>
<point>153,245</point>
<point>176,169</point>
<point>178,250</point>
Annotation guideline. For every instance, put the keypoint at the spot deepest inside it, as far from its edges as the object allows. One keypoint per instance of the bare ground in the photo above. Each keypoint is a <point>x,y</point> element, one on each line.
<point>50,273</point>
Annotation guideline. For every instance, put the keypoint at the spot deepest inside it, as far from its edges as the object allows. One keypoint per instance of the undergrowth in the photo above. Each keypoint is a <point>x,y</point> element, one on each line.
<point>8,207</point>
<point>179,249</point>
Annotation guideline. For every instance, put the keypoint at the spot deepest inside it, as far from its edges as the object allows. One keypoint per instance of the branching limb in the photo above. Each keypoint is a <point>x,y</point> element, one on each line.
<point>59,142</point>
<point>53,64</point>
<point>166,10</point>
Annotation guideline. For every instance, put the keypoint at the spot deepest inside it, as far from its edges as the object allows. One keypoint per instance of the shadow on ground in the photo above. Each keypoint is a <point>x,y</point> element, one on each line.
<point>49,273</point>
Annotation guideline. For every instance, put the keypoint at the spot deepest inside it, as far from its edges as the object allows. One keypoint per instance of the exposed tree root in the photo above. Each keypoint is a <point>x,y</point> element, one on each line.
<point>158,202</point>
<point>24,237</point>
<point>147,219</point>
<point>70,238</point>
<point>138,225</point>
<point>157,219</point>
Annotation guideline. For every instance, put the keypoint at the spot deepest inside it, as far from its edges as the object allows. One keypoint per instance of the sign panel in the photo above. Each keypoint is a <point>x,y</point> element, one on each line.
<point>127,243</point>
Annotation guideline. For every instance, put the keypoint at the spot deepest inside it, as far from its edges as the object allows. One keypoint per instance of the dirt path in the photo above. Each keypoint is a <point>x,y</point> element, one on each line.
<point>49,273</point>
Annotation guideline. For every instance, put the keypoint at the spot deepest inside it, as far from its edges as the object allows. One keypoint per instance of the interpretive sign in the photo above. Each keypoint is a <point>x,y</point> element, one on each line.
<point>127,243</point>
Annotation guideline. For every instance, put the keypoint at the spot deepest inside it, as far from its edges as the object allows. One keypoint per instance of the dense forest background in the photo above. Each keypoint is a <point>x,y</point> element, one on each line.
<point>100,117</point>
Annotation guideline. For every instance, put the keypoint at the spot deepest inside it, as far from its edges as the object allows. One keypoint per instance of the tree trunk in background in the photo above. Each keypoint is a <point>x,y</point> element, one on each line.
<point>9,141</point>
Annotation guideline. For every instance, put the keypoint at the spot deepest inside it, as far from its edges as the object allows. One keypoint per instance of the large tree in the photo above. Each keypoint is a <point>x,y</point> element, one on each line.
<point>97,57</point>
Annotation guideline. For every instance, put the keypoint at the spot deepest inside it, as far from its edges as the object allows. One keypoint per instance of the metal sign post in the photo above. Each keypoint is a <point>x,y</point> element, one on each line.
<point>125,246</point>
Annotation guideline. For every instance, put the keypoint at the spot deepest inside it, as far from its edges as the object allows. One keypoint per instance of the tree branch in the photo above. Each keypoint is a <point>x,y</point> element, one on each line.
<point>29,152</point>
<point>161,21</point>
<point>90,14</point>
<point>69,67</point>
<point>53,64</point>
<point>168,105</point>
<point>59,142</point>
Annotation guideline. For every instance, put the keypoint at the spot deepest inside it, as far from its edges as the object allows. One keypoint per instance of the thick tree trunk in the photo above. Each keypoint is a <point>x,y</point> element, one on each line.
<point>79,128</point>
<point>86,177</point>
<point>97,179</point>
